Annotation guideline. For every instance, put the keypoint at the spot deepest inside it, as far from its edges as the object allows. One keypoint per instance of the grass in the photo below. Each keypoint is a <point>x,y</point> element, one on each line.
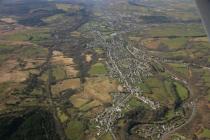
<point>68,7</point>
<point>177,30</point>
<point>23,52</point>
<point>98,69</point>
<point>58,72</point>
<point>37,91</point>
<point>34,36</point>
<point>184,15</point>
<point>134,103</point>
<point>33,52</point>
<point>176,55</point>
<point>107,136</point>
<point>5,49</point>
<point>62,116</point>
<point>75,34</point>
<point>170,114</point>
<point>5,52</point>
<point>175,43</point>
<point>206,77</point>
<point>160,90</point>
<point>181,90</point>
<point>161,95</point>
<point>208,96</point>
<point>4,86</point>
<point>158,67</point>
<point>3,57</point>
<point>97,88</point>
<point>78,101</point>
<point>90,105</point>
<point>168,85</point>
<point>205,133</point>
<point>180,68</point>
<point>64,85</point>
<point>121,123</point>
<point>165,44</point>
<point>45,75</point>
<point>153,82</point>
<point>53,18</point>
<point>75,130</point>
<point>144,87</point>
<point>98,50</point>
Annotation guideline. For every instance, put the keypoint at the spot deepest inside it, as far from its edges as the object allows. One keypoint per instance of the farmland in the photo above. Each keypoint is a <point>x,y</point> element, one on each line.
<point>103,70</point>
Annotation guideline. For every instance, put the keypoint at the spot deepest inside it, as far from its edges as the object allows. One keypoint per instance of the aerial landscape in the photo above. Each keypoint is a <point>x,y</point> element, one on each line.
<point>103,70</point>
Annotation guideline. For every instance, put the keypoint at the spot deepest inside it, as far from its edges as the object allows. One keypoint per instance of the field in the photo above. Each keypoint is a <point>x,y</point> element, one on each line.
<point>64,66</point>
<point>103,70</point>
<point>165,44</point>
<point>59,73</point>
<point>180,68</point>
<point>5,51</point>
<point>106,137</point>
<point>158,90</point>
<point>32,35</point>
<point>64,85</point>
<point>98,69</point>
<point>180,30</point>
<point>68,7</point>
<point>182,91</point>
<point>205,134</point>
<point>91,90</point>
<point>75,130</point>
<point>4,87</point>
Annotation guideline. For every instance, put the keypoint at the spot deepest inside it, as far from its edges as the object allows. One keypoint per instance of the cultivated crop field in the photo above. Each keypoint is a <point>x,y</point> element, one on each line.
<point>103,70</point>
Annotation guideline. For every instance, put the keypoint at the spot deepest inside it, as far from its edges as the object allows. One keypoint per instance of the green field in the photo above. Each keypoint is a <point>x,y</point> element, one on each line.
<point>58,72</point>
<point>206,77</point>
<point>182,91</point>
<point>180,68</point>
<point>145,88</point>
<point>4,86</point>
<point>134,103</point>
<point>3,57</point>
<point>98,69</point>
<point>205,134</point>
<point>33,52</point>
<point>159,90</point>
<point>177,30</point>
<point>62,116</point>
<point>45,76</point>
<point>98,50</point>
<point>67,7</point>
<point>176,55</point>
<point>164,89</point>
<point>6,51</point>
<point>208,96</point>
<point>89,105</point>
<point>23,52</point>
<point>175,43</point>
<point>35,36</point>
<point>75,130</point>
<point>54,18</point>
<point>107,136</point>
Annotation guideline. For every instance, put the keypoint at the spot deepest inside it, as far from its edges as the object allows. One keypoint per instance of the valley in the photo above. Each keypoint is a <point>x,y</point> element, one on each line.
<point>103,70</point>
